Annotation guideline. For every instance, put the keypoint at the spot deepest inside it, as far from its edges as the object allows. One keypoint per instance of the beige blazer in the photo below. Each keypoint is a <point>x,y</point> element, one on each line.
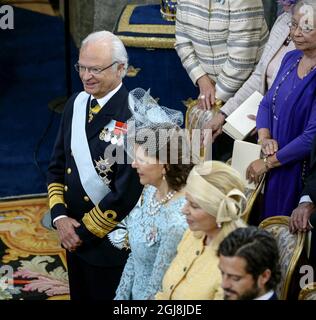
<point>257,81</point>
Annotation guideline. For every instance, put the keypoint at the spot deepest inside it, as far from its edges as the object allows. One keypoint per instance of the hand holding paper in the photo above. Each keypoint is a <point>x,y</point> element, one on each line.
<point>244,153</point>
<point>238,124</point>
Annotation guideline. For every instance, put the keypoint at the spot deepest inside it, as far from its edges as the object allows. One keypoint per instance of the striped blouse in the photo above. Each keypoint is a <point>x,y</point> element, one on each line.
<point>221,38</point>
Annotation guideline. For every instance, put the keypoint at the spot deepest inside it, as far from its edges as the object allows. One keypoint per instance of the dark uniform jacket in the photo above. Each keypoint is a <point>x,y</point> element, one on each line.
<point>310,184</point>
<point>67,196</point>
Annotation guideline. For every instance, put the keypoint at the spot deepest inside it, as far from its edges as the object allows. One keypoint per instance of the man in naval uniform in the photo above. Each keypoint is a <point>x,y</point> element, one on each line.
<point>89,194</point>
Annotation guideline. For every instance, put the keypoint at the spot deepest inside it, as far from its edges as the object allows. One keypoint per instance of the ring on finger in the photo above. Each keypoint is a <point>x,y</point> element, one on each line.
<point>202,96</point>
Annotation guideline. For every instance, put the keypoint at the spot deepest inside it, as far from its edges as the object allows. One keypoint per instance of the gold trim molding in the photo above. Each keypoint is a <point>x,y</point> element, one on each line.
<point>144,42</point>
<point>125,26</point>
<point>151,42</point>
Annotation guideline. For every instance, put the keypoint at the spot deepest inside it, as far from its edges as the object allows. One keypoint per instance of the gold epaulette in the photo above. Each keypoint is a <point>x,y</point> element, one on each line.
<point>100,223</point>
<point>56,194</point>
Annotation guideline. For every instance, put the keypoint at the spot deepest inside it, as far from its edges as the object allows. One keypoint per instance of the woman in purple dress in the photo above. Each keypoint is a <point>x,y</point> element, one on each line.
<point>286,119</point>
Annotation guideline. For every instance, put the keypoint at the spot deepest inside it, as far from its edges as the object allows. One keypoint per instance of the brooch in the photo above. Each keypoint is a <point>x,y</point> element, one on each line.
<point>152,236</point>
<point>103,167</point>
<point>114,132</point>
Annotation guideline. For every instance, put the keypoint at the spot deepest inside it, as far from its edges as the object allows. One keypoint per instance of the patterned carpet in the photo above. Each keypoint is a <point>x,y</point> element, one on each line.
<point>32,263</point>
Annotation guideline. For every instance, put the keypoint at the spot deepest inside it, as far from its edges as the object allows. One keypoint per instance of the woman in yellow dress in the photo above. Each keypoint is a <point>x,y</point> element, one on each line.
<point>214,194</point>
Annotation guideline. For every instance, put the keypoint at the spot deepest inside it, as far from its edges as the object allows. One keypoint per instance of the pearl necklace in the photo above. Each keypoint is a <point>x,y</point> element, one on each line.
<point>154,205</point>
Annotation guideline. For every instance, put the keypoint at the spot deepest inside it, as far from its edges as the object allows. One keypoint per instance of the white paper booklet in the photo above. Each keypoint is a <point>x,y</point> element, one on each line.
<point>243,154</point>
<point>238,125</point>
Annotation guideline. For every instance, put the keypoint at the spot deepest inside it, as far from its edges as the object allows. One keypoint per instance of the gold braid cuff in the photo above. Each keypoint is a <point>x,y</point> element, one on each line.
<point>56,194</point>
<point>100,223</point>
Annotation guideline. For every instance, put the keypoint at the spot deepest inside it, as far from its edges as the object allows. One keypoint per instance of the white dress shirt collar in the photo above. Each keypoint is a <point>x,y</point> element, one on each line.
<point>266,296</point>
<point>103,101</point>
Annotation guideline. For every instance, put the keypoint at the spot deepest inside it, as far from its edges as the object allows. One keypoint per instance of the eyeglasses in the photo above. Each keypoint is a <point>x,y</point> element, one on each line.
<point>305,28</point>
<point>93,70</point>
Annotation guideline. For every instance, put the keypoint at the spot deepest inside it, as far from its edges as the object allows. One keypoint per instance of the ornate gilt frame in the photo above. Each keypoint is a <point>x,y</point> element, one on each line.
<point>252,199</point>
<point>284,220</point>
<point>309,288</point>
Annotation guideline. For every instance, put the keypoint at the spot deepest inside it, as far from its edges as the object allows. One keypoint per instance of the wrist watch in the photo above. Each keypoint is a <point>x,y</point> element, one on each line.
<point>267,163</point>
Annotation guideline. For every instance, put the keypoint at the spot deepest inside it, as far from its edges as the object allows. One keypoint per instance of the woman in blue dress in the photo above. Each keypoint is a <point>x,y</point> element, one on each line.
<point>156,225</point>
<point>286,118</point>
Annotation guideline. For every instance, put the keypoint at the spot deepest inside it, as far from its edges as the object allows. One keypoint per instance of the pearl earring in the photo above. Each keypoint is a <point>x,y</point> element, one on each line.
<point>219,225</point>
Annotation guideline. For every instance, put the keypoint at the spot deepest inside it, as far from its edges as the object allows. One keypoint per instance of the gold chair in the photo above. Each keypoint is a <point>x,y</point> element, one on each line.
<point>308,292</point>
<point>250,194</point>
<point>195,118</point>
<point>290,249</point>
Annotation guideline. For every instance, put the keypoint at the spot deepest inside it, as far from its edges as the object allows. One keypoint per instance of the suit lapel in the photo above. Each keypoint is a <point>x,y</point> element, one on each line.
<point>313,153</point>
<point>111,110</point>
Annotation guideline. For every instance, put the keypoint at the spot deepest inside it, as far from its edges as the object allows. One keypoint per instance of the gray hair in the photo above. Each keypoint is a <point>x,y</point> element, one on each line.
<point>309,3</point>
<point>119,53</point>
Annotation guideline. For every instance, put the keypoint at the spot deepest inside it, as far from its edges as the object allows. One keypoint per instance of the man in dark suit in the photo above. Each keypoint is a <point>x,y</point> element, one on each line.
<point>91,187</point>
<point>249,263</point>
<point>303,217</point>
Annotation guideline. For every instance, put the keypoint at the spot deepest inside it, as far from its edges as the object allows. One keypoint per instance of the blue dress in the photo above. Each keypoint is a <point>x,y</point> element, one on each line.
<point>292,122</point>
<point>153,240</point>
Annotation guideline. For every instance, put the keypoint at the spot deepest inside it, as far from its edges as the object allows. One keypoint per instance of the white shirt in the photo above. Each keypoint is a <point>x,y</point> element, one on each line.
<point>266,296</point>
<point>305,198</point>
<point>103,101</point>
<point>308,199</point>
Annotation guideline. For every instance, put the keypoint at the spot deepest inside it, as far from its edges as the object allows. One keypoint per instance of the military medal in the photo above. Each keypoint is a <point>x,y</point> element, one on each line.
<point>102,134</point>
<point>103,167</point>
<point>120,141</point>
<point>114,132</point>
<point>107,136</point>
<point>114,140</point>
<point>119,131</point>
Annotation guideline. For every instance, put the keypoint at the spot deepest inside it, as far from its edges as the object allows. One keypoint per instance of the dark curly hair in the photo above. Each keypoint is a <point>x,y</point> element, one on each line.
<point>174,153</point>
<point>258,248</point>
